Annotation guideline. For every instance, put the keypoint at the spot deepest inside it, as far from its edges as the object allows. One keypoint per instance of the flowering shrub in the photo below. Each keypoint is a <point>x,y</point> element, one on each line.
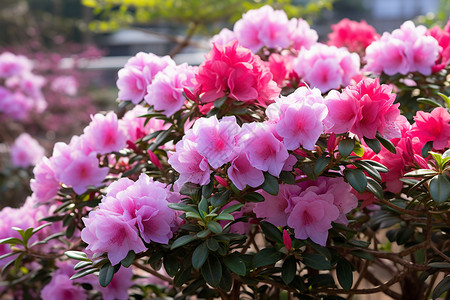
<point>228,180</point>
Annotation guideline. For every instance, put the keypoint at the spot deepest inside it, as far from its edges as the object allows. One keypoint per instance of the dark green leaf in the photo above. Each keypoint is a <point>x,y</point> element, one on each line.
<point>83,273</point>
<point>200,255</point>
<point>442,287</point>
<point>362,254</point>
<point>266,256</point>
<point>404,234</point>
<point>171,265</point>
<point>37,229</point>
<point>160,140</point>
<point>440,188</point>
<point>375,188</point>
<point>359,243</point>
<point>373,144</point>
<point>270,184</point>
<point>183,207</point>
<point>214,227</point>
<point>208,189</point>
<point>235,264</point>
<point>212,271</point>
<point>226,282</point>
<point>287,177</point>
<point>182,277</point>
<point>346,147</point>
<point>70,230</point>
<point>220,199</point>
<point>320,165</point>
<point>219,102</point>
<point>427,148</point>
<point>289,269</point>
<point>371,170</point>
<point>12,241</point>
<point>192,288</point>
<point>128,260</point>
<point>316,261</point>
<point>225,216</point>
<point>378,166</point>
<point>212,244</point>
<point>78,255</point>
<point>357,179</point>
<point>106,274</point>
<point>203,233</point>
<point>387,144</point>
<point>429,102</point>
<point>232,208</point>
<point>271,231</point>
<point>203,206</point>
<point>8,255</point>
<point>183,240</point>
<point>439,265</point>
<point>344,272</point>
<point>254,197</point>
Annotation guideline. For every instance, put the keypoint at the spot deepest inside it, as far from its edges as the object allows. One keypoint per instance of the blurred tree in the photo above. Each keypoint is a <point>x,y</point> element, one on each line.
<point>193,15</point>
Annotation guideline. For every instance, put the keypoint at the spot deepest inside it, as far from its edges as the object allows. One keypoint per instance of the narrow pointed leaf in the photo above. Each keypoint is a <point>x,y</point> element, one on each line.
<point>344,273</point>
<point>183,240</point>
<point>289,269</point>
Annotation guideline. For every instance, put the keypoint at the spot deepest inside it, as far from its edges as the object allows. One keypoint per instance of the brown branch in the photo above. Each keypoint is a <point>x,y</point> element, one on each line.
<point>186,41</point>
<point>153,272</point>
<point>402,210</point>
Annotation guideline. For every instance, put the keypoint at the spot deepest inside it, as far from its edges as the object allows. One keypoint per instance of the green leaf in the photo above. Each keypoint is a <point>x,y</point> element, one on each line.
<point>171,265</point>
<point>365,166</point>
<point>12,241</point>
<point>427,148</point>
<point>357,179</point>
<point>78,255</point>
<point>220,199</point>
<point>442,287</point>
<point>128,260</point>
<point>271,231</point>
<point>373,144</point>
<point>183,207</point>
<point>208,189</point>
<point>346,147</point>
<point>212,244</point>
<point>106,274</point>
<point>203,233</point>
<point>358,150</point>
<point>440,188</point>
<point>429,102</point>
<point>82,265</point>
<point>289,269</point>
<point>224,217</point>
<point>232,208</point>
<point>375,188</point>
<point>182,277</point>
<point>387,144</point>
<point>316,261</point>
<point>321,163</point>
<point>37,229</point>
<point>360,243</point>
<point>446,99</point>
<point>214,227</point>
<point>266,256</point>
<point>344,272</point>
<point>226,282</point>
<point>439,265</point>
<point>200,255</point>
<point>219,102</point>
<point>83,273</point>
<point>404,234</point>
<point>203,206</point>
<point>378,166</point>
<point>362,254</point>
<point>8,255</point>
<point>287,177</point>
<point>254,197</point>
<point>235,264</point>
<point>212,271</point>
<point>70,230</point>
<point>183,240</point>
<point>421,173</point>
<point>160,139</point>
<point>270,184</point>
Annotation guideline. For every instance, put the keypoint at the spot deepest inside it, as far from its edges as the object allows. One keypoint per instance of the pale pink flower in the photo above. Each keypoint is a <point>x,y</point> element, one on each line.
<point>150,64</point>
<point>247,29</point>
<point>119,286</point>
<point>61,287</point>
<point>223,37</point>
<point>301,35</point>
<point>67,85</point>
<point>216,140</point>
<point>44,184</point>
<point>26,151</point>
<point>312,215</point>
<point>108,232</point>
<point>136,126</point>
<point>103,134</point>
<point>242,173</point>
<point>165,93</point>
<point>131,84</point>
<point>13,65</point>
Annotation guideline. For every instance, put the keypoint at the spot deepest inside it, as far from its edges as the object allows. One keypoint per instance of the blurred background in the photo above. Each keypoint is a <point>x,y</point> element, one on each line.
<point>77,47</point>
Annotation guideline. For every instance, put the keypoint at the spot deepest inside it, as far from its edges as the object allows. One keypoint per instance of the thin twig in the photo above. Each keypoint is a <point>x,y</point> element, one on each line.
<point>153,272</point>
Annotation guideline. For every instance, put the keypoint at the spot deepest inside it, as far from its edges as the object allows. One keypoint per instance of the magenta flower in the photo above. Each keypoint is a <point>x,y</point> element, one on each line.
<point>355,36</point>
<point>13,65</point>
<point>103,135</point>
<point>61,287</point>
<point>26,151</point>
<point>312,215</point>
<point>434,126</point>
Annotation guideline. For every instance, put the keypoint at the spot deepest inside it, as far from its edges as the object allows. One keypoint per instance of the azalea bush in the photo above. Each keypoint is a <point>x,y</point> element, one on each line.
<point>280,167</point>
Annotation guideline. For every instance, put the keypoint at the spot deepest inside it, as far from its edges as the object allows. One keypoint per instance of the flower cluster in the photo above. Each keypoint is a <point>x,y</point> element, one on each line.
<point>407,49</point>
<point>26,151</point>
<point>326,67</point>
<point>237,73</point>
<point>355,36</point>
<point>443,38</point>
<point>130,214</point>
<point>21,90</point>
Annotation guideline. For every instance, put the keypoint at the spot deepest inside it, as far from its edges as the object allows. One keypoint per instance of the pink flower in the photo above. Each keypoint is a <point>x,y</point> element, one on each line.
<point>355,36</point>
<point>434,126</point>
<point>165,92</point>
<point>287,241</point>
<point>280,67</point>
<point>223,37</point>
<point>13,65</point>
<point>264,151</point>
<point>192,166</point>
<point>119,286</point>
<point>242,173</point>
<point>312,215</point>
<point>44,184</point>
<point>136,127</point>
<point>407,49</point>
<point>369,107</point>
<point>67,85</point>
<point>15,105</point>
<point>443,38</point>
<point>233,71</point>
<point>301,35</point>
<point>111,233</point>
<point>150,64</point>
<point>216,140</point>
<point>276,209</point>
<point>26,151</point>
<point>103,134</point>
<point>300,118</point>
<point>61,287</point>
<point>326,67</point>
<point>131,84</point>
